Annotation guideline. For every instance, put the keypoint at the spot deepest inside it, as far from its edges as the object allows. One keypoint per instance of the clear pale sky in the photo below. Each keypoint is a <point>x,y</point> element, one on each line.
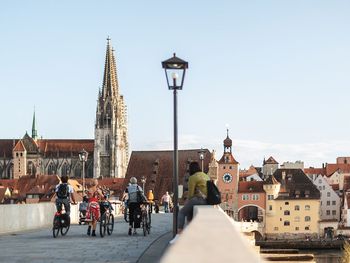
<point>278,72</point>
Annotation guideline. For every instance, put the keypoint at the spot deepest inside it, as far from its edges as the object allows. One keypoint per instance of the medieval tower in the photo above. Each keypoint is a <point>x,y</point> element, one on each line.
<point>111,131</point>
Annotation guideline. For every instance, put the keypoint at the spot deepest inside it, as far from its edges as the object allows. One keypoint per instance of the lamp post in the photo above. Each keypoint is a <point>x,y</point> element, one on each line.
<point>201,153</point>
<point>83,155</point>
<point>175,69</point>
<point>143,181</point>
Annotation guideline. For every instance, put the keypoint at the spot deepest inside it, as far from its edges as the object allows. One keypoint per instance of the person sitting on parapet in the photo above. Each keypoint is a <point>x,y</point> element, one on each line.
<point>197,194</point>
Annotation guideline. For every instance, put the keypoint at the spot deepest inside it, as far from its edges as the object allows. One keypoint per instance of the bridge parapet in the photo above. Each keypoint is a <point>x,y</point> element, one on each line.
<point>212,236</point>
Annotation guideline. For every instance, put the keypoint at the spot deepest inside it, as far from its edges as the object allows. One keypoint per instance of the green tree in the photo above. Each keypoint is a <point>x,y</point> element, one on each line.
<point>346,253</point>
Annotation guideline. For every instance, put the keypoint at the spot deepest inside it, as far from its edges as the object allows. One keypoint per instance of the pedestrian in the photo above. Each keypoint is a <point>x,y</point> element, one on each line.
<point>150,198</point>
<point>166,201</point>
<point>197,194</point>
<point>93,213</point>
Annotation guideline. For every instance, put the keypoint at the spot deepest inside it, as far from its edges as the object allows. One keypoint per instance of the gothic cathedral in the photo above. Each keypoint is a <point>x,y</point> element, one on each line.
<point>111,141</point>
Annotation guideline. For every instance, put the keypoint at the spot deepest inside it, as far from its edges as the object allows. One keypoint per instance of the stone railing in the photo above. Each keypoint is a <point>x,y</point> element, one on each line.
<point>15,218</point>
<point>212,236</point>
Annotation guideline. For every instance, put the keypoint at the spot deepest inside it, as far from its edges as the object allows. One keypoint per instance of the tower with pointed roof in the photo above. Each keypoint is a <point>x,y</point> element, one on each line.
<point>34,131</point>
<point>111,132</point>
<point>228,177</point>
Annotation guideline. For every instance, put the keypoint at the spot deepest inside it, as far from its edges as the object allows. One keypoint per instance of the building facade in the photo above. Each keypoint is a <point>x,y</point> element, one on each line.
<point>107,152</point>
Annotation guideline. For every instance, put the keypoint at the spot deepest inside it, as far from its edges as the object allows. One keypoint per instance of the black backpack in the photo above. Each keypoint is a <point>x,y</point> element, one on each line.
<point>62,191</point>
<point>214,195</point>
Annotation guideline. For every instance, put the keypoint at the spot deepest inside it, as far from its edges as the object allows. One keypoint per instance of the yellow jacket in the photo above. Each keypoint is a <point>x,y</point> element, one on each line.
<point>197,185</point>
<point>150,196</point>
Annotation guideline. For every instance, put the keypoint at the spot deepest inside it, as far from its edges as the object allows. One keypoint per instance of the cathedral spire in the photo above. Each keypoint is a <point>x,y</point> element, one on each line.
<point>110,81</point>
<point>34,131</point>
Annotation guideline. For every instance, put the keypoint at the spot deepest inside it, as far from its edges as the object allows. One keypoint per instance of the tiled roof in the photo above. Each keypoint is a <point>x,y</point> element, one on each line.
<point>335,187</point>
<point>250,187</point>
<point>157,168</point>
<point>227,158</point>
<point>19,147</point>
<point>271,180</point>
<point>250,171</point>
<point>65,146</point>
<point>317,171</point>
<point>271,160</point>
<point>296,184</point>
<point>6,147</point>
<point>333,167</point>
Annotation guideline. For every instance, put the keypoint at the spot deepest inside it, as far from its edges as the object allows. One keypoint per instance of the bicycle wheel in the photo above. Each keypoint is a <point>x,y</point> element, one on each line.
<point>103,225</point>
<point>144,224</point>
<point>110,224</point>
<point>126,218</point>
<point>65,226</point>
<point>56,226</point>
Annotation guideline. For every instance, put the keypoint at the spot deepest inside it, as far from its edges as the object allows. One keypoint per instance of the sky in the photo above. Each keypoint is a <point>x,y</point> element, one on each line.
<point>276,72</point>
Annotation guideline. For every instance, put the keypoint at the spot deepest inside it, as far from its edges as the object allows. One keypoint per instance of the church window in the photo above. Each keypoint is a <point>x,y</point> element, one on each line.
<point>65,169</point>
<point>77,171</point>
<point>51,169</point>
<point>31,168</point>
<point>108,142</point>
<point>9,173</point>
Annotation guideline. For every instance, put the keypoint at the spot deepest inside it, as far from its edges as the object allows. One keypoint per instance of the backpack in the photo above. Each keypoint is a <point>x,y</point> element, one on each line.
<point>214,195</point>
<point>62,191</point>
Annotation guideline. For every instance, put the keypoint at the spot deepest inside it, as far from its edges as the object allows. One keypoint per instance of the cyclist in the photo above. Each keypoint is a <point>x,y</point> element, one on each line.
<point>93,213</point>
<point>64,193</point>
<point>133,191</point>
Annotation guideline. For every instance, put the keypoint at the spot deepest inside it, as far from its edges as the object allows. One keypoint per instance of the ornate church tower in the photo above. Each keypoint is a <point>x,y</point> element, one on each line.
<point>111,132</point>
<point>228,177</point>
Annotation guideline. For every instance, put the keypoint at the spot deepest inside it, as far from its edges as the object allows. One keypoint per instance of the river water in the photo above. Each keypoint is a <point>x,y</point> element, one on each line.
<point>325,256</point>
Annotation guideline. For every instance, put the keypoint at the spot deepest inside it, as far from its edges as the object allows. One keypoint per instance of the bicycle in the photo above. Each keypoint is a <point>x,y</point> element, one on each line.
<point>146,218</point>
<point>61,223</point>
<point>106,220</point>
<point>124,209</point>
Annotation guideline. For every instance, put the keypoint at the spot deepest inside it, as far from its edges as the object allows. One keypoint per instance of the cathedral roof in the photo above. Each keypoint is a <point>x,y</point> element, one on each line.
<point>110,79</point>
<point>62,146</point>
<point>6,147</point>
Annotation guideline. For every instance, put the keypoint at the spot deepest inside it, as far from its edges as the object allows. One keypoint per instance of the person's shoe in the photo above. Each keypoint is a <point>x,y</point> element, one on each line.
<point>174,239</point>
<point>93,233</point>
<point>135,233</point>
<point>88,231</point>
<point>129,233</point>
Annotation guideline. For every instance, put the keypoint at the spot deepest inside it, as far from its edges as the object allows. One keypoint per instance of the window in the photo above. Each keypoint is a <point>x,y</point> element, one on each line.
<point>245,197</point>
<point>286,203</point>
<point>16,154</point>
<point>255,197</point>
<point>328,202</point>
<point>334,202</point>
<point>334,212</point>
<point>224,167</point>
<point>328,212</point>
<point>323,187</point>
<point>320,181</point>
<point>286,223</point>
<point>286,213</point>
<point>296,228</point>
<point>307,218</point>
<point>270,207</point>
<point>275,228</point>
<point>296,208</point>
<point>230,167</point>
<point>328,194</point>
<point>270,197</point>
<point>320,187</point>
<point>307,207</point>
<point>307,228</point>
<point>297,219</point>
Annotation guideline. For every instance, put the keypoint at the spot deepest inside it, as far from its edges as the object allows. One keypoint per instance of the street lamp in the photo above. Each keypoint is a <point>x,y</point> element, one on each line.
<point>143,181</point>
<point>175,69</point>
<point>83,155</point>
<point>201,153</point>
